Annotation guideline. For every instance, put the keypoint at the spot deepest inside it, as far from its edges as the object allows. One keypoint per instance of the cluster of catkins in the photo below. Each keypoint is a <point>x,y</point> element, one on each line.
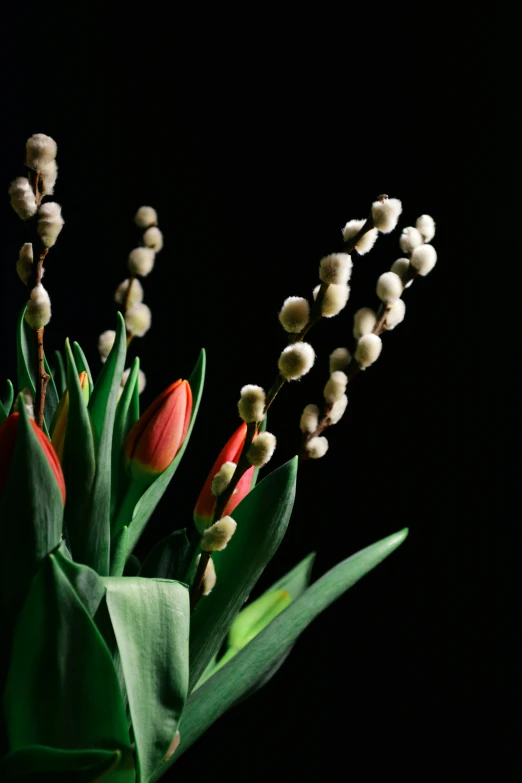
<point>130,291</point>
<point>419,259</point>
<point>26,194</point>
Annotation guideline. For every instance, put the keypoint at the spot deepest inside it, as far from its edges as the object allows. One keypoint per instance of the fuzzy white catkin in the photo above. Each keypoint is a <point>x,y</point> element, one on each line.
<point>317,447</point>
<point>142,380</point>
<point>138,319</point>
<point>40,150</point>
<point>335,269</point>
<point>153,238</point>
<point>261,449</point>
<point>368,350</point>
<point>386,214</point>
<point>296,360</point>
<point>48,177</point>
<point>338,409</point>
<point>309,419</point>
<point>50,223</point>
<point>251,405</point>
<point>209,578</point>
<point>146,217</point>
<point>141,261</point>
<point>216,537</point>
<point>426,226</point>
<point>223,478</point>
<point>136,292</point>
<point>340,359</point>
<point>366,242</point>
<point>363,321</point>
<point>105,343</point>
<point>294,314</point>
<point>400,267</point>
<point>410,239</point>
<point>24,265</point>
<point>423,259</point>
<point>395,314</point>
<point>335,299</point>
<point>335,386</point>
<point>389,287</point>
<point>28,399</point>
<point>23,200</point>
<point>38,312</point>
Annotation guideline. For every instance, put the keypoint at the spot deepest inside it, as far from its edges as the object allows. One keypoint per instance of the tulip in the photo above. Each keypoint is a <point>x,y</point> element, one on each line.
<point>8,433</point>
<point>61,416</point>
<point>159,433</point>
<point>206,504</point>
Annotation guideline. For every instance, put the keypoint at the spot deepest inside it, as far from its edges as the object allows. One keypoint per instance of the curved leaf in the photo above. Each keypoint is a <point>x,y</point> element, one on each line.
<point>150,618</point>
<point>220,692</point>
<point>6,402</point>
<point>40,764</point>
<point>262,518</point>
<point>87,584</point>
<point>82,364</point>
<point>167,559</point>
<point>127,414</point>
<point>59,374</point>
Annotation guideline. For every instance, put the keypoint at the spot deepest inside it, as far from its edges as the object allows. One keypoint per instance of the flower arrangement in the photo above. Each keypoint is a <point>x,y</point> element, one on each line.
<point>114,667</point>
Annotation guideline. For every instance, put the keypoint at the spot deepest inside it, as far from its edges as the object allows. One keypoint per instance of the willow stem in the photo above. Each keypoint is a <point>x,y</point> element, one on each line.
<point>196,592</point>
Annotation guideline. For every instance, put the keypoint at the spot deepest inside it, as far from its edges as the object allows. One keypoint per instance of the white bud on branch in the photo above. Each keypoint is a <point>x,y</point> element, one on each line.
<point>335,386</point>
<point>363,321</point>
<point>135,295</point>
<point>426,226</point>
<point>309,419</point>
<point>146,217</point>
<point>368,350</point>
<point>38,312</point>
<point>141,261</point>
<point>386,214</point>
<point>334,300</point>
<point>338,409</point>
<point>410,239</point>
<point>335,269</point>
<point>216,537</point>
<point>395,314</point>
<point>251,405</point>
<point>138,319</point>
<point>294,314</point>
<point>423,259</point>
<point>223,478</point>
<point>340,359</point>
<point>153,238</point>
<point>142,380</point>
<point>24,265</point>
<point>48,177</point>
<point>317,447</point>
<point>209,581</point>
<point>50,223</point>
<point>261,449</point>
<point>296,360</point>
<point>40,150</point>
<point>105,343</point>
<point>23,200</point>
<point>389,287</point>
<point>366,242</point>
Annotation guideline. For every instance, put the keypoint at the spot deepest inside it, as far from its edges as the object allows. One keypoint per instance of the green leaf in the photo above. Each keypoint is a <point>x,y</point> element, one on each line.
<point>61,689</point>
<point>121,551</point>
<point>167,559</point>
<point>150,618</point>
<point>59,374</point>
<point>132,566</point>
<point>87,584</point>
<point>102,408</point>
<point>262,518</point>
<point>127,414</point>
<point>220,692</point>
<point>6,402</point>
<point>78,466</point>
<point>27,366</point>
<point>39,764</point>
<point>149,500</point>
<point>31,514</point>
<point>82,364</point>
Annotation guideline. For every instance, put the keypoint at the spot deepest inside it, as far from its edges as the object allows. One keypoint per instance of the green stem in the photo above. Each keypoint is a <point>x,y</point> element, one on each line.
<point>124,516</point>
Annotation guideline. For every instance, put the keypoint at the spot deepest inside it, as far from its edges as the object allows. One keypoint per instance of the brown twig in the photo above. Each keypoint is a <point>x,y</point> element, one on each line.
<point>43,377</point>
<point>132,278</point>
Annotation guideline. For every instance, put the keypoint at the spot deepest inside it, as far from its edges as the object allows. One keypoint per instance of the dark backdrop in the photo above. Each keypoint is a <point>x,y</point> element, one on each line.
<point>255,149</point>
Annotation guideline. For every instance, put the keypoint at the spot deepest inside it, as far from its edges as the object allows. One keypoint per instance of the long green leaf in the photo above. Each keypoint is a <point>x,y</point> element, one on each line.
<point>127,414</point>
<point>78,466</point>
<point>61,689</point>
<point>220,692</point>
<point>167,559</point>
<point>82,364</point>
<point>150,618</point>
<point>40,764</point>
<point>150,499</point>
<point>86,583</point>
<point>7,401</point>
<point>102,408</point>
<point>262,518</point>
<point>59,374</point>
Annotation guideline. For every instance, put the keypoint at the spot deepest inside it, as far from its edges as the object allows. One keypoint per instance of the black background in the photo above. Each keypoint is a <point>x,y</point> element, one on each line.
<point>256,144</point>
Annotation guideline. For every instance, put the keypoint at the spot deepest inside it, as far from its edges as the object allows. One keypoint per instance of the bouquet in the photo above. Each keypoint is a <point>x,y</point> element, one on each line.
<point>113,667</point>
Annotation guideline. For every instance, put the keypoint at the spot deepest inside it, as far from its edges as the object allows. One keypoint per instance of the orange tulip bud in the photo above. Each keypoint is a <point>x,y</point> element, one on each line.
<point>8,433</point>
<point>159,433</point>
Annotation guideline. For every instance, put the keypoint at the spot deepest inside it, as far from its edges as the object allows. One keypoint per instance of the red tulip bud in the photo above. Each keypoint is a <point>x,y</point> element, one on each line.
<point>8,433</point>
<point>159,433</point>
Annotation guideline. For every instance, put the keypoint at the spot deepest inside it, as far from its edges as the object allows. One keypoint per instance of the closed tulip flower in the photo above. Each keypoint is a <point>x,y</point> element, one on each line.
<point>158,435</point>
<point>61,417</point>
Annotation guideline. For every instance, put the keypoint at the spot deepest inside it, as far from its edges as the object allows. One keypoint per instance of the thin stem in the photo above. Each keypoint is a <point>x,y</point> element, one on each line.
<point>196,591</point>
<point>43,378</point>
<point>132,278</point>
